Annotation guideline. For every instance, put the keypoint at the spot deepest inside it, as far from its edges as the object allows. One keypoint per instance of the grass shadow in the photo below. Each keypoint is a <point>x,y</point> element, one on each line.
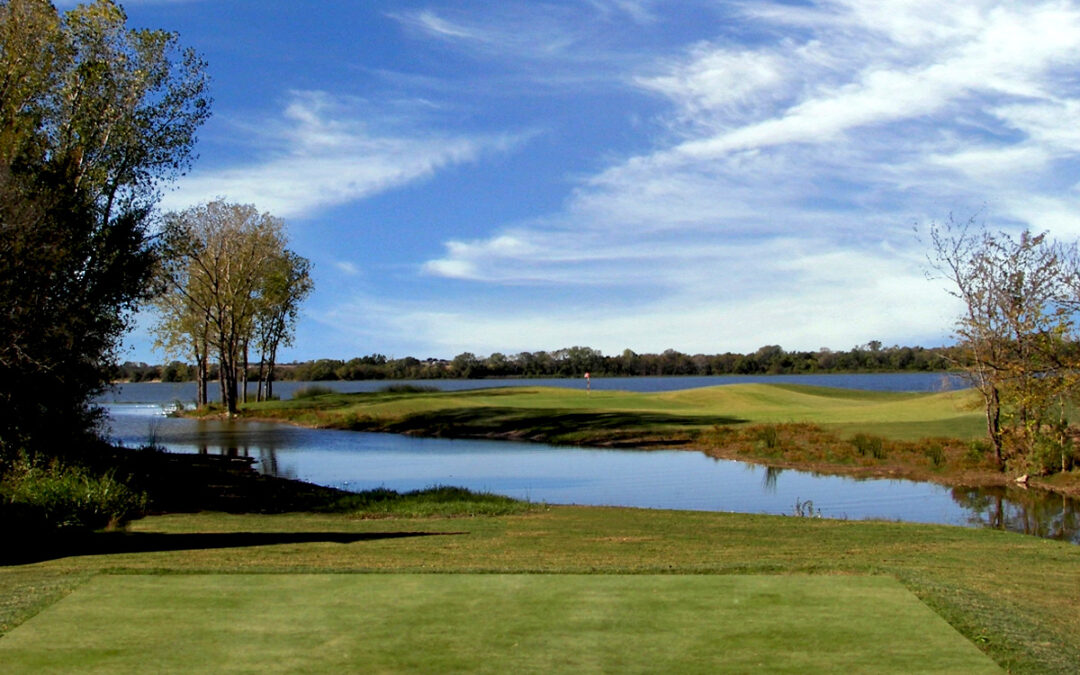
<point>110,543</point>
<point>546,424</point>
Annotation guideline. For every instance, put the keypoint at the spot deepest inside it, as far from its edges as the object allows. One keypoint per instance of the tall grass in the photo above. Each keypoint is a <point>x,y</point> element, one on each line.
<point>435,501</point>
<point>869,446</point>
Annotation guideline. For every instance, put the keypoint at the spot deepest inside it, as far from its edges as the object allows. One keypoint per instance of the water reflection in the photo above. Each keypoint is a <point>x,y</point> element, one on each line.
<point>768,481</point>
<point>1036,513</point>
<point>560,475</point>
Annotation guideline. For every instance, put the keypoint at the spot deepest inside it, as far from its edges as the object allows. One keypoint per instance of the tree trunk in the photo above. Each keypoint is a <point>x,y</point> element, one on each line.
<point>200,378</point>
<point>244,372</point>
<point>993,425</point>
<point>270,372</point>
<point>262,374</point>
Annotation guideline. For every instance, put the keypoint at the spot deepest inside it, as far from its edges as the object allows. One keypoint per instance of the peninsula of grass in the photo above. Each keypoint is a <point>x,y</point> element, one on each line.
<point>919,436</point>
<point>613,585</point>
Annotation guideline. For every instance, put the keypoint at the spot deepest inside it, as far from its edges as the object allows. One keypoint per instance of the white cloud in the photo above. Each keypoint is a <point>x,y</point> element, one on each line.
<point>347,268</point>
<point>321,154</point>
<point>866,299</point>
<point>780,208</point>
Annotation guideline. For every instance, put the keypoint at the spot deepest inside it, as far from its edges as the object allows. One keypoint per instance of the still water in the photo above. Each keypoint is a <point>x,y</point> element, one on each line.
<point>184,392</point>
<point>560,475</point>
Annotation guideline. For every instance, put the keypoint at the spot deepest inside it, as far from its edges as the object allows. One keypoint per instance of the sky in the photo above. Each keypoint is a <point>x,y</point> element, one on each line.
<point>701,175</point>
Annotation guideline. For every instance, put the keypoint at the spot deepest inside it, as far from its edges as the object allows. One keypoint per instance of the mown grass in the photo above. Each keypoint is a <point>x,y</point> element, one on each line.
<point>1013,596</point>
<point>567,415</point>
<point>491,624</point>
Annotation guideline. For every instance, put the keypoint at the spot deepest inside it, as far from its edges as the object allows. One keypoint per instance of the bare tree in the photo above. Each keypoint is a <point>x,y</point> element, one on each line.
<point>1014,331</point>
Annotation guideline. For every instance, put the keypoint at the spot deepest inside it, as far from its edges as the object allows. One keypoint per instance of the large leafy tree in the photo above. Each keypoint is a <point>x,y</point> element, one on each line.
<point>286,283</point>
<point>94,117</point>
<point>231,281</point>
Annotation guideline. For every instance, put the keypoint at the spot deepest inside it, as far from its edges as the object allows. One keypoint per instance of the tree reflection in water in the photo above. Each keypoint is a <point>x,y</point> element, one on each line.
<point>1033,512</point>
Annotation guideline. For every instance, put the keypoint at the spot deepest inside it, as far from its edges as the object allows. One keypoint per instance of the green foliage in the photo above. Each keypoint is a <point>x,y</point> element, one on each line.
<point>93,118</point>
<point>935,453</point>
<point>869,446</point>
<point>977,451</point>
<point>51,496</point>
<point>230,285</point>
<point>768,437</point>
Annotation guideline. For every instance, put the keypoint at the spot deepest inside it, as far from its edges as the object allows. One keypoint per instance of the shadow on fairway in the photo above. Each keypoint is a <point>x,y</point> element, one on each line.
<point>107,543</point>
<point>544,424</point>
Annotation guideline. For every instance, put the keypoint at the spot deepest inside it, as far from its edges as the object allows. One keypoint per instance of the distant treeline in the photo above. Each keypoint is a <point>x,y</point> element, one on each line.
<point>576,361</point>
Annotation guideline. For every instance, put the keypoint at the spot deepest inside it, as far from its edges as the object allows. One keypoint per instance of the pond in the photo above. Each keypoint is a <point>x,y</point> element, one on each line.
<point>565,475</point>
<point>184,392</point>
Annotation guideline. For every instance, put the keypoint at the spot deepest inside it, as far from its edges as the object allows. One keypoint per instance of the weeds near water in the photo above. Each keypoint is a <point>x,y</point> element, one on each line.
<point>769,436</point>
<point>977,451</point>
<point>935,453</point>
<point>867,445</point>
<point>805,509</point>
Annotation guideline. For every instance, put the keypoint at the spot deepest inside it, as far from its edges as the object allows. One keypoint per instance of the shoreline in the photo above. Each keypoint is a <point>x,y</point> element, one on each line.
<point>961,478</point>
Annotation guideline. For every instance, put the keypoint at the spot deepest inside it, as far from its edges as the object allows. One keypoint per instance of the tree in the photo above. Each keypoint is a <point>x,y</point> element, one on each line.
<point>93,118</point>
<point>230,281</point>
<point>1014,331</point>
<point>286,283</point>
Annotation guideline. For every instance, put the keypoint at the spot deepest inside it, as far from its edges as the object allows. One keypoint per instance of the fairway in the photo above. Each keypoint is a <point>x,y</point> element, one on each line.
<point>573,416</point>
<point>489,623</point>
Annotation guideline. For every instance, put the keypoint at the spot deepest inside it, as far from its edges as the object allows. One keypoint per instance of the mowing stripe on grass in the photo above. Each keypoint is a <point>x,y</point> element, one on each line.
<point>489,623</point>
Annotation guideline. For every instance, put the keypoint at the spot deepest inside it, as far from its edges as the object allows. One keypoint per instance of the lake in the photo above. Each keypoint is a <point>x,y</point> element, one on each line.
<point>184,392</point>
<point>565,475</point>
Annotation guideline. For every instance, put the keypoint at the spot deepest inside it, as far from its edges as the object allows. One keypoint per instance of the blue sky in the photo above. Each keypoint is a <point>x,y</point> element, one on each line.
<point>708,176</point>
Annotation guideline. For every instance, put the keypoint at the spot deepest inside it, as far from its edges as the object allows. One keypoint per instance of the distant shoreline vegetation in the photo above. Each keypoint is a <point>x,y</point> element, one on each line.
<point>576,361</point>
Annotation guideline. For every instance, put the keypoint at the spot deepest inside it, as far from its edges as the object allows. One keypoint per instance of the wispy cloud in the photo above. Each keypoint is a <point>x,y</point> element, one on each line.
<point>320,152</point>
<point>780,206</point>
<point>563,44</point>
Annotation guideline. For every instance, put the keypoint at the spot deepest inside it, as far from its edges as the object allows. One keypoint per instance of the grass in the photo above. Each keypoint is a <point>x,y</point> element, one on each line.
<point>1013,596</point>
<point>491,623</point>
<point>560,415</point>
<point>439,501</point>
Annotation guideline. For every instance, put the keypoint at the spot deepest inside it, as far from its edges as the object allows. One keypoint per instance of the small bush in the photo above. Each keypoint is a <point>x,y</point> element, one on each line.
<point>57,497</point>
<point>769,436</point>
<point>977,451</point>
<point>935,453</point>
<point>312,391</point>
<point>867,445</point>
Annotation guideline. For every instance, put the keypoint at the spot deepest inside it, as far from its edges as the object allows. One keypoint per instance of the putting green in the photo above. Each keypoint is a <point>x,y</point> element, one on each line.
<point>489,623</point>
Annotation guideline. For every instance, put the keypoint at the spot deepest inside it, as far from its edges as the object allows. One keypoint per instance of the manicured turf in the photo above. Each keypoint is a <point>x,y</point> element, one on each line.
<point>1012,596</point>
<point>571,415</point>
<point>490,623</point>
